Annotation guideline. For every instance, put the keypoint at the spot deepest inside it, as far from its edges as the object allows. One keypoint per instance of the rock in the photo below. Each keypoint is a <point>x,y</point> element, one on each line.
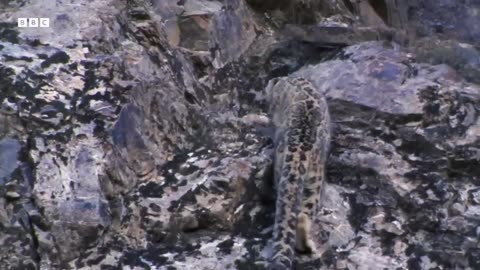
<point>334,35</point>
<point>463,57</point>
<point>9,149</point>
<point>12,195</point>
<point>76,197</point>
<point>202,26</point>
<point>400,91</point>
<point>134,135</point>
<point>446,19</point>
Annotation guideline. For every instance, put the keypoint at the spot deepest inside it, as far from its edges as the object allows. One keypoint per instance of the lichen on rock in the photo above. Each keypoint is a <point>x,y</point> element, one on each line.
<point>133,134</point>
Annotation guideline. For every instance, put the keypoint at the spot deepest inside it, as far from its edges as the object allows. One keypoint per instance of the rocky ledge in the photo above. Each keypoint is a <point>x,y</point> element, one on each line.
<point>131,133</point>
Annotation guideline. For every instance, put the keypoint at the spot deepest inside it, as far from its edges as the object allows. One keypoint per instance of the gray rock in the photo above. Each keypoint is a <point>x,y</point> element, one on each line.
<point>446,19</point>
<point>133,135</point>
<point>9,149</point>
<point>463,57</point>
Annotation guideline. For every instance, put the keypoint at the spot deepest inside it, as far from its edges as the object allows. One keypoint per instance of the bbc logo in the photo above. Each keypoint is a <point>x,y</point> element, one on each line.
<point>33,22</point>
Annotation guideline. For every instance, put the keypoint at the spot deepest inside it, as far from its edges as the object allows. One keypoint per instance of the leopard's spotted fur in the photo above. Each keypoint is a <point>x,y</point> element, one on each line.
<point>302,139</point>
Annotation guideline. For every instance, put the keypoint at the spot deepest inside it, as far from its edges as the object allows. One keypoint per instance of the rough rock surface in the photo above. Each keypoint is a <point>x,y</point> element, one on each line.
<point>131,135</point>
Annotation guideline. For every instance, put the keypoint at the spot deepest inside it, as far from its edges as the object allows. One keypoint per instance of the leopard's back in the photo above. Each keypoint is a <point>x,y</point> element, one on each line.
<point>300,116</point>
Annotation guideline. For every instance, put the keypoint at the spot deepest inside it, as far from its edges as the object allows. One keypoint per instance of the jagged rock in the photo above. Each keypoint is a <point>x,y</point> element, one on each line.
<point>446,19</point>
<point>226,30</point>
<point>335,34</point>
<point>9,149</point>
<point>12,195</point>
<point>409,121</point>
<point>463,57</point>
<point>133,134</point>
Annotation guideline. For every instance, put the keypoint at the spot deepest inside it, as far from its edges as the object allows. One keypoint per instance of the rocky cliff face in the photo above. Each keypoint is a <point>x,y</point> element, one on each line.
<point>130,135</point>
